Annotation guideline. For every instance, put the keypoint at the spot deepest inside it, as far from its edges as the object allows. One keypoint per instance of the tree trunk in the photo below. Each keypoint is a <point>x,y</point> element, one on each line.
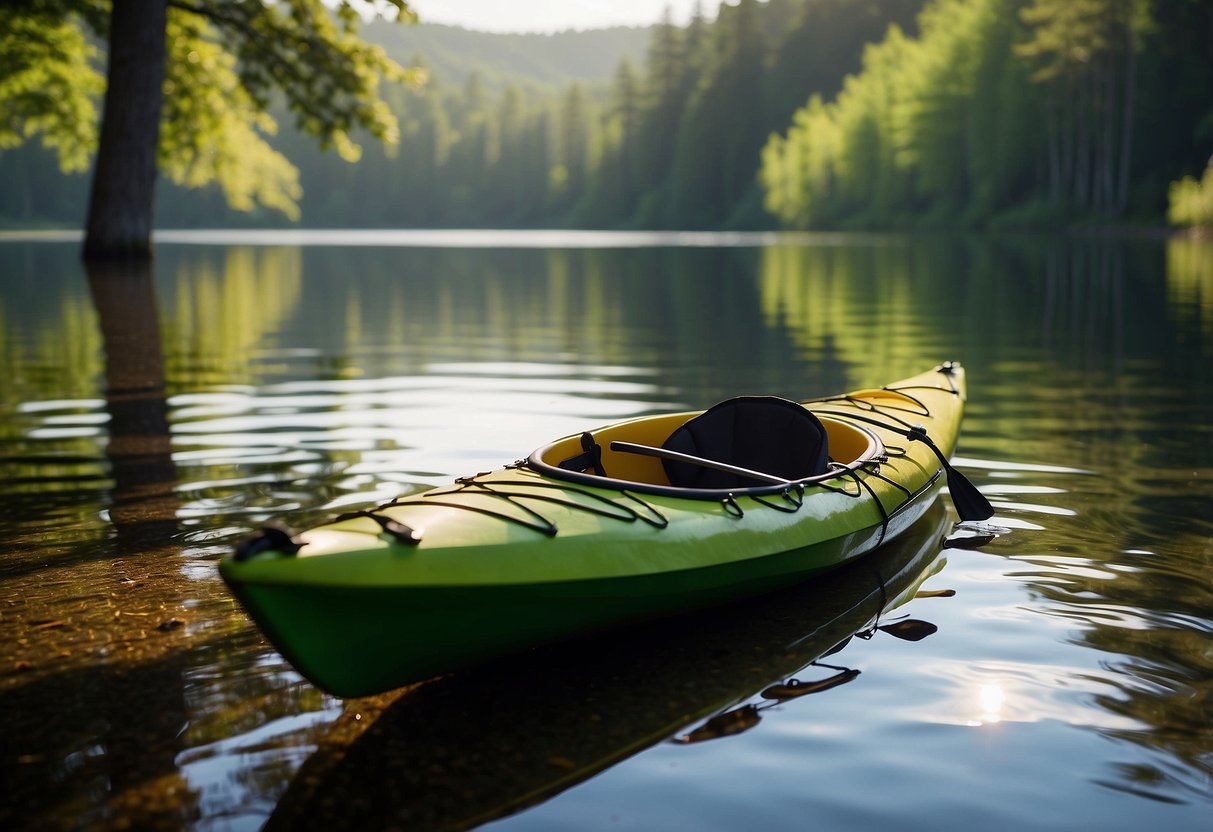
<point>1100,68</point>
<point>1111,108</point>
<point>1082,145</point>
<point>1126,124</point>
<point>1069,111</point>
<point>119,224</point>
<point>1053,131</point>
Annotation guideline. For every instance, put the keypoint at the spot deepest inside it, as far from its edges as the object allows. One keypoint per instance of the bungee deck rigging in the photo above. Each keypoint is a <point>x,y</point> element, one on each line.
<point>591,499</point>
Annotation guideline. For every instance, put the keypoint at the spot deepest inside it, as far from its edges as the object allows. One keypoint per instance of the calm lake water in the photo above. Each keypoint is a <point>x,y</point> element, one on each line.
<point>149,421</point>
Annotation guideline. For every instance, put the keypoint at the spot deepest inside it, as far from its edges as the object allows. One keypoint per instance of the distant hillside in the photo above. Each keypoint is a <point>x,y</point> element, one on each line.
<point>452,53</point>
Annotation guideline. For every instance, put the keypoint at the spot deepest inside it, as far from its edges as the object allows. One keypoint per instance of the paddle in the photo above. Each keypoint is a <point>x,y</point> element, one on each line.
<point>970,503</point>
<point>726,724</point>
<point>794,687</point>
<point>973,541</point>
<point>675,456</point>
<point>909,629</point>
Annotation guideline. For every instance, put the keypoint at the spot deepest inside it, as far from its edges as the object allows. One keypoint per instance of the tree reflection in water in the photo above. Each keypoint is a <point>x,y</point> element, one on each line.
<point>99,715</point>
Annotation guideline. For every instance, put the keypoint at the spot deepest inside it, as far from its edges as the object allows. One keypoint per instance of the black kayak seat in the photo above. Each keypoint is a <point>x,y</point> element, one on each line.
<point>762,433</point>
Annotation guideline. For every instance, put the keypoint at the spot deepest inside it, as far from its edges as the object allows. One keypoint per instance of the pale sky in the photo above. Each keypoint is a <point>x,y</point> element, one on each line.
<point>555,15</point>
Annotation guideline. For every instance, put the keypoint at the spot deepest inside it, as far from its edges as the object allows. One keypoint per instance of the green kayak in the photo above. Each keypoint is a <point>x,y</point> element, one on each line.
<point>643,518</point>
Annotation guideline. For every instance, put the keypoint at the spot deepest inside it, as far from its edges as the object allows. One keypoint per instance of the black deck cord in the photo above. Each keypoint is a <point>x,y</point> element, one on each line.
<point>884,512</point>
<point>626,514</point>
<point>875,472</point>
<point>399,532</point>
<point>657,520</point>
<point>793,505</point>
<point>542,525</point>
<point>861,486</point>
<point>864,404</point>
<point>623,513</point>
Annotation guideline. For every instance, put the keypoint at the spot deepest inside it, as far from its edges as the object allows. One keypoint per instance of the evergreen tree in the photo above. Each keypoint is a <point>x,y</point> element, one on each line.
<point>1086,54</point>
<point>570,174</point>
<point>827,113</point>
<point>616,180</point>
<point>720,135</point>
<point>663,93</point>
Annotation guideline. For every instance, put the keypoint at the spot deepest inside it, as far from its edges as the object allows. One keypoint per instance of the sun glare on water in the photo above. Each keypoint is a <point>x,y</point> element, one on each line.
<point>990,701</point>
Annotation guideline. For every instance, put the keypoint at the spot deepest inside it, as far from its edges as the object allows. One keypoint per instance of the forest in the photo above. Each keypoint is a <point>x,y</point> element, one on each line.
<point>822,114</point>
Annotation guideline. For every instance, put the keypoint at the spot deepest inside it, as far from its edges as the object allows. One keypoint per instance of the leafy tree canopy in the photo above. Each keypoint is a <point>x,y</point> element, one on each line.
<point>48,86</point>
<point>227,60</point>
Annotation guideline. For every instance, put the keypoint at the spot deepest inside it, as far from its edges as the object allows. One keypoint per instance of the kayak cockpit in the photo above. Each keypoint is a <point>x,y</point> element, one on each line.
<point>675,454</point>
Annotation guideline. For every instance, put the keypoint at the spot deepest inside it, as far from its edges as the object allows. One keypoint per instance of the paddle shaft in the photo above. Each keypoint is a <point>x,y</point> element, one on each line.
<point>675,456</point>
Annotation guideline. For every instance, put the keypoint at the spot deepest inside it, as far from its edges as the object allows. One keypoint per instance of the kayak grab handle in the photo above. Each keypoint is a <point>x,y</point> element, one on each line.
<point>662,453</point>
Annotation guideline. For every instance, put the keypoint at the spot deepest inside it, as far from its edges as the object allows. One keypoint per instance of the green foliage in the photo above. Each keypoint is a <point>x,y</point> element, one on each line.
<point>1085,54</point>
<point>328,77</point>
<point>995,113</point>
<point>1191,201</point>
<point>213,130</point>
<point>856,158</point>
<point>805,113</point>
<point>227,64</point>
<point>672,141</point>
<point>48,86</point>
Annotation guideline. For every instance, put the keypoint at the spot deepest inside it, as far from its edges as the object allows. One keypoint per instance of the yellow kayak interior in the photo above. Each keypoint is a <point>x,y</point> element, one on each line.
<point>850,447</point>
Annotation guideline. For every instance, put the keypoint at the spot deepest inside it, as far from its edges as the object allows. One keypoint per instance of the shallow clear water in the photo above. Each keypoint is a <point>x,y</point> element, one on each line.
<point>149,420</point>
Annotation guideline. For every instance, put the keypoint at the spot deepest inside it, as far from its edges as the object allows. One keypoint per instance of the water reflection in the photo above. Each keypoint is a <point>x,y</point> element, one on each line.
<point>225,308</point>
<point>1190,287</point>
<point>143,504</point>
<point>1148,619</point>
<point>149,420</point>
<point>100,627</point>
<point>467,748</point>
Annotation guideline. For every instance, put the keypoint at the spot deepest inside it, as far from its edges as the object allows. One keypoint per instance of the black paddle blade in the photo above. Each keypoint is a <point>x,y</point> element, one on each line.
<point>970,503</point>
<point>968,541</point>
<point>794,687</point>
<point>723,725</point>
<point>911,629</point>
